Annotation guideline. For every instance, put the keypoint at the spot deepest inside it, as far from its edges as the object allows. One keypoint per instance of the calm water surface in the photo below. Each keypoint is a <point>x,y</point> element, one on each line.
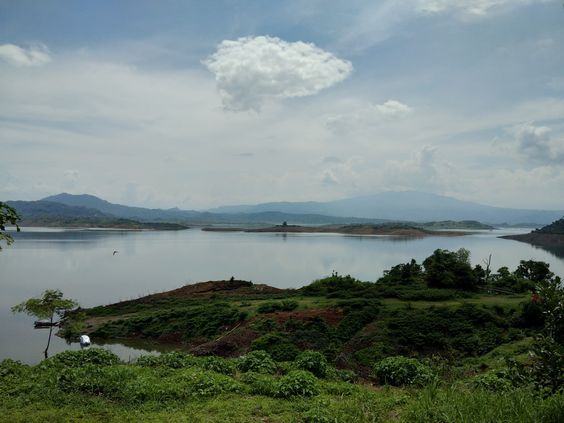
<point>81,264</point>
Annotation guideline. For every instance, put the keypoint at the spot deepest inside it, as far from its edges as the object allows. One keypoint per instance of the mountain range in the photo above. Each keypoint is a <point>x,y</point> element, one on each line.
<point>406,206</point>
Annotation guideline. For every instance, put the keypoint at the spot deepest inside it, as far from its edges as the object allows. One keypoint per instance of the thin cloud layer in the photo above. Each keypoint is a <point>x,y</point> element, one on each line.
<point>253,70</point>
<point>470,7</point>
<point>21,57</point>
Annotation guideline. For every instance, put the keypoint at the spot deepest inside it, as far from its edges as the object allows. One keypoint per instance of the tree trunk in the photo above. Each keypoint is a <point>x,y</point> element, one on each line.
<point>49,340</point>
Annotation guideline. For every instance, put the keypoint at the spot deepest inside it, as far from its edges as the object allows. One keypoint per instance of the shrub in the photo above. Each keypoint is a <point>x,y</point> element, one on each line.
<point>297,383</point>
<point>277,345</point>
<point>312,361</point>
<point>205,383</point>
<point>95,380</point>
<point>11,368</point>
<point>492,381</point>
<point>218,365</point>
<point>399,371</point>
<point>257,361</point>
<point>95,356</point>
<point>260,384</point>
<point>172,360</point>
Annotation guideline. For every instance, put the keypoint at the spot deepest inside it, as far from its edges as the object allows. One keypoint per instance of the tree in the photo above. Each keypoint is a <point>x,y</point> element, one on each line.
<point>49,306</point>
<point>8,215</point>
<point>450,269</point>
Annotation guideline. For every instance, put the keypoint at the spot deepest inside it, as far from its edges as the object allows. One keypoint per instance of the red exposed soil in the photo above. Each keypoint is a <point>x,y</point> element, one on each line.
<point>331,316</point>
<point>227,288</point>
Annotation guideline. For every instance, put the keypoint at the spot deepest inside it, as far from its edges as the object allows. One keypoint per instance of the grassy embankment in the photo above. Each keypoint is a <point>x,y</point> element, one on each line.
<point>335,350</point>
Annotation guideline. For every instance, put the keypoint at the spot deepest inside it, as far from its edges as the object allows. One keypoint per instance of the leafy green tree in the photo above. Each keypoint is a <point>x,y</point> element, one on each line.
<point>535,271</point>
<point>450,269</point>
<point>50,305</point>
<point>8,216</point>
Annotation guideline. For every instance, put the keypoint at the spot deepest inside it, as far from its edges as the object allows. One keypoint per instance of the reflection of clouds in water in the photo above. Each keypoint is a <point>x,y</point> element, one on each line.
<point>80,263</point>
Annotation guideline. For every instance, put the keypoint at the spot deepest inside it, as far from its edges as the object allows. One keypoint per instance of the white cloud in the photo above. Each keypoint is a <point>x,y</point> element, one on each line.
<point>366,116</point>
<point>252,70</point>
<point>535,143</point>
<point>392,108</point>
<point>34,56</point>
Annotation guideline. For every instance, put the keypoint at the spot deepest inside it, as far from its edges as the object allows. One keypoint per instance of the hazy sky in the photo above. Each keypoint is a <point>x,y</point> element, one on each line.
<point>202,103</point>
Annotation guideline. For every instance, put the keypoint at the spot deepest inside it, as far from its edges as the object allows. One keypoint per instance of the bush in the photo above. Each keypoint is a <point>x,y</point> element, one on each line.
<point>297,383</point>
<point>257,361</point>
<point>106,381</point>
<point>218,365</point>
<point>312,361</point>
<point>277,345</point>
<point>399,371</point>
<point>95,356</point>
<point>12,368</point>
<point>204,383</point>
<point>260,384</point>
<point>172,360</point>
<point>492,381</point>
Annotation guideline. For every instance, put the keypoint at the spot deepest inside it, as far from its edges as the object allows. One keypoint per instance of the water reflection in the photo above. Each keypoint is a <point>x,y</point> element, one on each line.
<point>82,265</point>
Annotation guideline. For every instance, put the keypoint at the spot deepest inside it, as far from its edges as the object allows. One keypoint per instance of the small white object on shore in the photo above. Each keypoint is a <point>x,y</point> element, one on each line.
<point>84,341</point>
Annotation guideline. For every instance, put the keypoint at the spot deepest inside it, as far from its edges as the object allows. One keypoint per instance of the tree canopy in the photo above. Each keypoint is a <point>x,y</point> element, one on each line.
<point>8,216</point>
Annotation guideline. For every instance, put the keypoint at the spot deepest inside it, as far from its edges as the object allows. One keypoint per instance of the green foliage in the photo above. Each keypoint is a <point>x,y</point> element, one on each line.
<point>312,361</point>
<point>272,306</point>
<point>400,371</point>
<point>496,381</point>
<point>535,271</point>
<point>277,345</point>
<point>260,384</point>
<point>8,216</point>
<point>190,322</point>
<point>459,404</point>
<point>95,356</point>
<point>462,331</point>
<point>355,320</point>
<point>218,365</point>
<point>51,303</point>
<point>297,383</point>
<point>448,269</point>
<point>341,286</point>
<point>548,348</point>
<point>403,274</point>
<point>257,361</point>
<point>172,360</point>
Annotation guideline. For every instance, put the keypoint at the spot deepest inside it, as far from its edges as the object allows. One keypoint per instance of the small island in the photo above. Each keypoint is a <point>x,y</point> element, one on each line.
<point>396,230</point>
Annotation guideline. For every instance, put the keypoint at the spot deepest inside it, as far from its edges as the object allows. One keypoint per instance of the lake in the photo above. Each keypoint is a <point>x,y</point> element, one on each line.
<point>81,263</point>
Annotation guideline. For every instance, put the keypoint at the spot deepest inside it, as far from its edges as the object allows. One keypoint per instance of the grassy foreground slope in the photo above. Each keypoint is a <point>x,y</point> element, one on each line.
<point>94,386</point>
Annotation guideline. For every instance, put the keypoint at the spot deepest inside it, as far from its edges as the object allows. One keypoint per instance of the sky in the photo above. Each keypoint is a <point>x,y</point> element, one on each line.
<point>197,104</point>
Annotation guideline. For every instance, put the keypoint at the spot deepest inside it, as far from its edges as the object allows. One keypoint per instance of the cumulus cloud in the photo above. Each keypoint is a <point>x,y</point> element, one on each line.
<point>535,143</point>
<point>252,70</point>
<point>17,56</point>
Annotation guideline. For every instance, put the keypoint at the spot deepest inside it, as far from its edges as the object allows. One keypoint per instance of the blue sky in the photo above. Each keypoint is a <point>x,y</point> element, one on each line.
<point>199,104</point>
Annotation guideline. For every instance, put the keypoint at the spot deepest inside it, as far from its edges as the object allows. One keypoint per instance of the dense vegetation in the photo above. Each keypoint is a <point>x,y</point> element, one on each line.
<point>556,227</point>
<point>438,341</point>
